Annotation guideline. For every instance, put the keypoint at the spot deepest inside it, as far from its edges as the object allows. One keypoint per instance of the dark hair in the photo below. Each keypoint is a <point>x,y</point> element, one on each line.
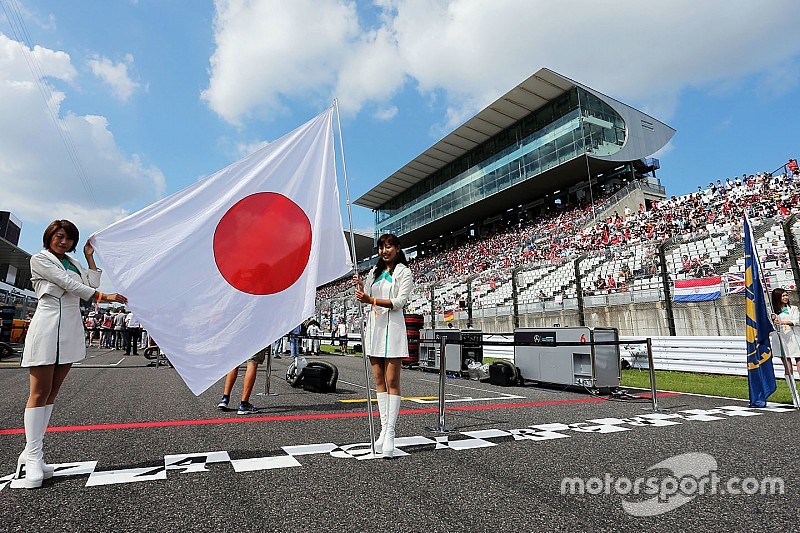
<point>68,227</point>
<point>777,304</point>
<point>401,255</point>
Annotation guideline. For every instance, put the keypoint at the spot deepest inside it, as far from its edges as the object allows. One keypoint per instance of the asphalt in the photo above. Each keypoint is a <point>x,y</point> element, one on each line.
<point>136,450</point>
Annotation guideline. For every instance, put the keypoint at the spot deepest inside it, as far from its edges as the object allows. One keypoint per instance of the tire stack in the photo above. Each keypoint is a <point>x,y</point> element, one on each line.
<point>414,323</point>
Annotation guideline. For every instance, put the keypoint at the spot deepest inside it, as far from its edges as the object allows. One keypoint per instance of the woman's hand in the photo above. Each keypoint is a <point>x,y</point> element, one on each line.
<point>362,297</point>
<point>115,297</point>
<point>88,251</point>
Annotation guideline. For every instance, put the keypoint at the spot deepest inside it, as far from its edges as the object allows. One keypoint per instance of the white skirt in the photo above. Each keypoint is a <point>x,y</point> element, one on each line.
<point>56,334</point>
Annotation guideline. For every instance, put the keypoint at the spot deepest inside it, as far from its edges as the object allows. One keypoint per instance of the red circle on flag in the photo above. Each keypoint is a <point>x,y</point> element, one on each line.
<point>262,243</point>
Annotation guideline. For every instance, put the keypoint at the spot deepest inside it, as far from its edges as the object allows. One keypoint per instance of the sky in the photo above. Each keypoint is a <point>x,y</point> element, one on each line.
<point>106,107</point>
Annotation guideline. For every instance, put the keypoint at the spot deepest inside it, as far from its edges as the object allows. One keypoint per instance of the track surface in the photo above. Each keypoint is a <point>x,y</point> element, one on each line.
<point>139,452</point>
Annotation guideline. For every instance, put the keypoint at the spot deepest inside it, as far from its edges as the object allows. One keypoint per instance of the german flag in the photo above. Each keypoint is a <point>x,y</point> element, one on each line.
<point>449,316</point>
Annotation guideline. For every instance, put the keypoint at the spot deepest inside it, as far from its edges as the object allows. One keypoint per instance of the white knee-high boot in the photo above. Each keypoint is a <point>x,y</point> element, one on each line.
<point>391,422</point>
<point>47,469</point>
<point>383,411</point>
<point>35,418</point>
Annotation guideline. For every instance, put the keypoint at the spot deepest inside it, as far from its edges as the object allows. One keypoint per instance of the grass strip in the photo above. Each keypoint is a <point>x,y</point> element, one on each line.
<point>711,384</point>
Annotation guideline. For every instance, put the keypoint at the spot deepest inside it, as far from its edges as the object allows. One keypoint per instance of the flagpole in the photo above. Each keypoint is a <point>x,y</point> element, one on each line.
<point>355,270</point>
<point>787,376</point>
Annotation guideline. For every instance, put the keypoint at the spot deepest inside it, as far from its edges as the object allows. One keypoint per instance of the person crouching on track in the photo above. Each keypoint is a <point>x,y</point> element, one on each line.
<point>386,289</point>
<point>55,337</point>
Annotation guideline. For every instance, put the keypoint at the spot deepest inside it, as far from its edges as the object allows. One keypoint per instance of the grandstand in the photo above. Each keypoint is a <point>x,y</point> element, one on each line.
<point>599,250</point>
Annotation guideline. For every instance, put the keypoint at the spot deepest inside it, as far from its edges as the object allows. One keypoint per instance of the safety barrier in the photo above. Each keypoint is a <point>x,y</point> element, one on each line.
<point>705,355</point>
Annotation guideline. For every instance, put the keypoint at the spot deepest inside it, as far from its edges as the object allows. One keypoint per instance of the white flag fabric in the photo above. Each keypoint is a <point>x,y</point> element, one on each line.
<point>221,269</point>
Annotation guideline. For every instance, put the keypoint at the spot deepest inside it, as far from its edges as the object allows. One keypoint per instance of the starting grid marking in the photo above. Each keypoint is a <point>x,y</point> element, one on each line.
<point>287,456</point>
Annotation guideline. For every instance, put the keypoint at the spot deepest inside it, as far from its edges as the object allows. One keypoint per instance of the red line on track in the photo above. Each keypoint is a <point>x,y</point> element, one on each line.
<point>320,416</point>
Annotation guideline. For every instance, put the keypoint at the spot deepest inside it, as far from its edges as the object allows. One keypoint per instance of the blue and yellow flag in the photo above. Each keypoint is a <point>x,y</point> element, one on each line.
<point>760,372</point>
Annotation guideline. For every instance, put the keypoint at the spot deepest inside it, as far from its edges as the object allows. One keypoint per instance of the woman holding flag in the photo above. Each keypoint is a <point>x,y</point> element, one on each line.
<point>386,289</point>
<point>787,319</point>
<point>55,338</point>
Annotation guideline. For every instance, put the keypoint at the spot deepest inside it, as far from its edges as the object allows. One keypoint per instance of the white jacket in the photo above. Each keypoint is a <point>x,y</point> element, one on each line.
<point>56,332</point>
<point>49,276</point>
<point>385,332</point>
<point>789,335</point>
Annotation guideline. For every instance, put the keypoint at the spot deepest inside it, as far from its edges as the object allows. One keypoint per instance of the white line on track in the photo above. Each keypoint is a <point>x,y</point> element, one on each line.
<point>503,396</point>
<point>99,366</point>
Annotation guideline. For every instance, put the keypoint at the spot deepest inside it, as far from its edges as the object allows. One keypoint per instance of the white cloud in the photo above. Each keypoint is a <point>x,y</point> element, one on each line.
<point>115,75</point>
<point>472,51</point>
<point>264,53</point>
<point>665,150</point>
<point>245,149</point>
<point>38,180</point>
<point>386,113</point>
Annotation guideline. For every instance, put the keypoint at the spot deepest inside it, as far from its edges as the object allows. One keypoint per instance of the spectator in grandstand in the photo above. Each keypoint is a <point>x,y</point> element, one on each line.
<point>55,340</point>
<point>686,264</point>
<point>706,269</point>
<point>792,167</point>
<point>245,407</point>
<point>773,252</point>
<point>386,290</point>
<point>787,319</point>
<point>599,283</point>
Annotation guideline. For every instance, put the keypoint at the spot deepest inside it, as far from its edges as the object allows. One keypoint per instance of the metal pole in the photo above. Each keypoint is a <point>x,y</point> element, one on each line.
<point>268,381</point>
<point>579,291</point>
<point>652,373</point>
<point>433,305</point>
<point>470,279</point>
<point>789,377</point>
<point>792,248</point>
<point>355,271</point>
<point>662,260</point>
<point>441,428</point>
<point>515,295</point>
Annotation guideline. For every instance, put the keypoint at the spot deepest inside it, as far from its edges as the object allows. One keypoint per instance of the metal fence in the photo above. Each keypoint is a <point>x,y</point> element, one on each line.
<point>629,287</point>
<point>23,304</point>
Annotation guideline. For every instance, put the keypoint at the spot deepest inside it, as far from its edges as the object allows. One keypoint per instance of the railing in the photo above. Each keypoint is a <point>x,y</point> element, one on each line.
<point>612,200</point>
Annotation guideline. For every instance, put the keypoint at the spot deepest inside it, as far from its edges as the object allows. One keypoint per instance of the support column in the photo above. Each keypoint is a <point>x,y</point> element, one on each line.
<point>662,260</point>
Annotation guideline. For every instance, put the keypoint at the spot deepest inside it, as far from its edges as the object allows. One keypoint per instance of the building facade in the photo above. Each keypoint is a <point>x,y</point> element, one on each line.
<point>545,137</point>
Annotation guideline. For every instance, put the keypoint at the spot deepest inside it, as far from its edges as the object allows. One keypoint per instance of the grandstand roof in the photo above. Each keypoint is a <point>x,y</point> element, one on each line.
<point>542,87</point>
<point>16,257</point>
<point>364,244</point>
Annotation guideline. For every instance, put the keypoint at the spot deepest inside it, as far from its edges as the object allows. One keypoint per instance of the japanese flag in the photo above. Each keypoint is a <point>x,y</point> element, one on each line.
<point>221,269</point>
